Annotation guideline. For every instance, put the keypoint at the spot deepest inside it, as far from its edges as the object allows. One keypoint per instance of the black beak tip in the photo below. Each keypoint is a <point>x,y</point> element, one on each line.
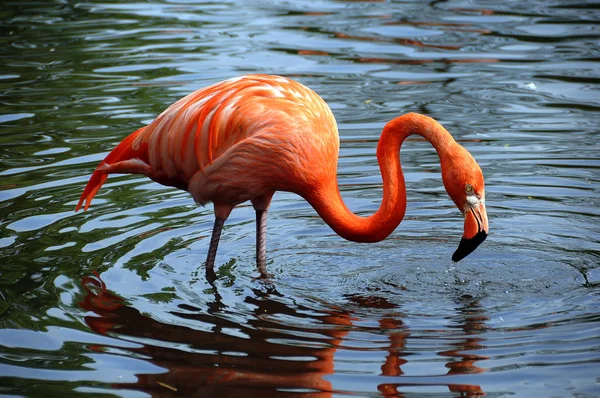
<point>468,246</point>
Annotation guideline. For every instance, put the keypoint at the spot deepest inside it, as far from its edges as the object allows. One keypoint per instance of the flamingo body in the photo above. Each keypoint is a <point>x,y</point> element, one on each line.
<point>245,138</point>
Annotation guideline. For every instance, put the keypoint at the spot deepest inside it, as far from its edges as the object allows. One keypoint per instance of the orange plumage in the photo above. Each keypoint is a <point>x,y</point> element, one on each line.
<point>247,137</point>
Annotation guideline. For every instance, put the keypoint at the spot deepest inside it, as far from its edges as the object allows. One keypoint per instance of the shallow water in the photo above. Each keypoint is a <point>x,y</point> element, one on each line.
<point>113,301</point>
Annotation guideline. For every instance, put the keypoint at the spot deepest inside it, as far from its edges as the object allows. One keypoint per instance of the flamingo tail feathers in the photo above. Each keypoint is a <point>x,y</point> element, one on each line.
<point>123,159</point>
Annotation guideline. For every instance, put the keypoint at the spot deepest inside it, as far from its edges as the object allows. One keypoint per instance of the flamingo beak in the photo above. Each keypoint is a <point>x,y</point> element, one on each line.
<point>476,230</point>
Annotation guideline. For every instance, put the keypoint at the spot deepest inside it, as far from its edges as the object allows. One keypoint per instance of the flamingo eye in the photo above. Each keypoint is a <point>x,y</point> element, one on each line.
<point>469,189</point>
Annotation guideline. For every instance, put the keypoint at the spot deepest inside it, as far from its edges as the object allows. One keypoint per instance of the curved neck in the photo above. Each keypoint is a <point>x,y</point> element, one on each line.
<point>327,201</point>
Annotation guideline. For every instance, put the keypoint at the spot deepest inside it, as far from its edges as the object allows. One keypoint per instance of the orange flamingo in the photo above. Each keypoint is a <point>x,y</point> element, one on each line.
<point>247,137</point>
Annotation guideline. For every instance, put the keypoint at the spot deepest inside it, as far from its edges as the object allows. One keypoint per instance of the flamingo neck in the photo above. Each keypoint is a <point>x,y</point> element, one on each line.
<point>328,203</point>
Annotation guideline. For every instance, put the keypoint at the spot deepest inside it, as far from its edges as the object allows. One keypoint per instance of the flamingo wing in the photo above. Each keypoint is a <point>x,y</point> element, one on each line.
<point>194,132</point>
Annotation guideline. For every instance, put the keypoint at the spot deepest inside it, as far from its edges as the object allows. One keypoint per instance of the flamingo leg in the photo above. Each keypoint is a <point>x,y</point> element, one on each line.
<point>261,205</point>
<point>261,242</point>
<point>212,249</point>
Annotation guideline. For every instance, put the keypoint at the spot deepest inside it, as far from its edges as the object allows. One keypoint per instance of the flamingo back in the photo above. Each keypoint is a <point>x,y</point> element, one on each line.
<point>205,126</point>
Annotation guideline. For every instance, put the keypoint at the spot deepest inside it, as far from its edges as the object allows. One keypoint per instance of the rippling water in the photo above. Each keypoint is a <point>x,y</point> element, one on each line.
<point>113,302</point>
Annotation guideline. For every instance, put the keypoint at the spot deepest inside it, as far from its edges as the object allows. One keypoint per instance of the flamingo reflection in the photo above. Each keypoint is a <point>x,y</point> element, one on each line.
<point>281,349</point>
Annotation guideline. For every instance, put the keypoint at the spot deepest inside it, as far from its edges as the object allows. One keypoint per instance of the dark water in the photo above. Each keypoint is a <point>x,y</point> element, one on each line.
<point>113,302</point>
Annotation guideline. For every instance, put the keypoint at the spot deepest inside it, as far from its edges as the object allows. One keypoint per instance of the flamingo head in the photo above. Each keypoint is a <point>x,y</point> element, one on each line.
<point>464,183</point>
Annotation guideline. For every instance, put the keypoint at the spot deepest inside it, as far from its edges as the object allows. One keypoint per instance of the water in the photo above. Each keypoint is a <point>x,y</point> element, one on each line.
<point>113,302</point>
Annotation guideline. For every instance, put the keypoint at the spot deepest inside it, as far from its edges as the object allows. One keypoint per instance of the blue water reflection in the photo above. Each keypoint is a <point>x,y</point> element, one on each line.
<point>113,302</point>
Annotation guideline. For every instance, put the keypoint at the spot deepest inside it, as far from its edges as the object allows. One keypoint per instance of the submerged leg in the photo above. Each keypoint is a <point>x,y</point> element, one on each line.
<point>212,249</point>
<point>222,211</point>
<point>261,205</point>
<point>261,242</point>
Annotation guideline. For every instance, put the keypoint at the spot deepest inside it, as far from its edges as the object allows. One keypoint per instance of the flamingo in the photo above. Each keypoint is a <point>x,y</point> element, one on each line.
<point>244,138</point>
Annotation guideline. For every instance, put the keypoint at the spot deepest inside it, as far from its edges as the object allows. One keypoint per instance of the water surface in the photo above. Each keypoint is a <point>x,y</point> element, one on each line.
<point>113,301</point>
